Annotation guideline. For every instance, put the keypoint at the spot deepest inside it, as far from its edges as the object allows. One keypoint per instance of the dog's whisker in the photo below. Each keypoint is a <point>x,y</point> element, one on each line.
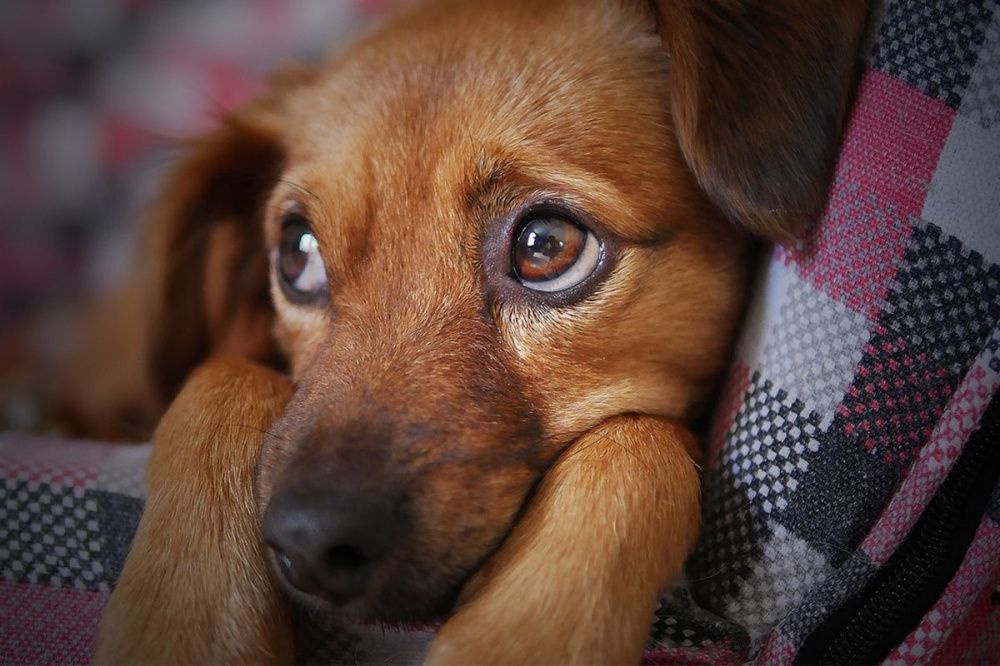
<point>263,431</point>
<point>715,574</point>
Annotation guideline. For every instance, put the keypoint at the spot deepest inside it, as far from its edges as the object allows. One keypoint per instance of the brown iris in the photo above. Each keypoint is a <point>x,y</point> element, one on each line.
<point>546,248</point>
<point>292,259</point>
<point>299,264</point>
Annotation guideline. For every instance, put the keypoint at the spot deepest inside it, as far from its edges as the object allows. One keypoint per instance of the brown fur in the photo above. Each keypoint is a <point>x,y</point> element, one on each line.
<point>585,563</point>
<point>427,374</point>
<point>202,592</point>
<point>759,92</point>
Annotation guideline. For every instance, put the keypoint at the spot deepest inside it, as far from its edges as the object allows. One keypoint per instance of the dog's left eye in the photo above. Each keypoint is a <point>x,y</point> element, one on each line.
<point>299,264</point>
<point>552,253</point>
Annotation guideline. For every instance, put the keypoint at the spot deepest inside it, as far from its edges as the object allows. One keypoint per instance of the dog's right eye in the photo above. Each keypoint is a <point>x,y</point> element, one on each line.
<point>299,265</point>
<point>552,253</point>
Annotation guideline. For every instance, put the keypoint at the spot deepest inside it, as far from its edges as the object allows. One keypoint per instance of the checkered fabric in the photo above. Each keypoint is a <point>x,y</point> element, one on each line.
<point>68,511</point>
<point>870,354</point>
<point>869,357</point>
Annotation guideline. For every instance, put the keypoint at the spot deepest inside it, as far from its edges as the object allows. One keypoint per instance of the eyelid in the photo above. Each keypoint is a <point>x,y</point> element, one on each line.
<point>277,213</point>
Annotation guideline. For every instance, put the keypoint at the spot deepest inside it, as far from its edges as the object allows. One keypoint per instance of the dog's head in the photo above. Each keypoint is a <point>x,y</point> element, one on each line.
<point>483,230</point>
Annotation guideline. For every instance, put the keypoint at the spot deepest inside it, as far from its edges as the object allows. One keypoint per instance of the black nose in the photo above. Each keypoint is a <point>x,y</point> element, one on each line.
<point>327,543</point>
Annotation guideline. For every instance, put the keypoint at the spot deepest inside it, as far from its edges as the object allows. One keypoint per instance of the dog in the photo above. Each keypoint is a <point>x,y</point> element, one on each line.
<point>435,319</point>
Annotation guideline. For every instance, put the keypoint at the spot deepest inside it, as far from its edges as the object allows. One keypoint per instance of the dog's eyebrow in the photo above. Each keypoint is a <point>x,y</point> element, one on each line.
<point>489,183</point>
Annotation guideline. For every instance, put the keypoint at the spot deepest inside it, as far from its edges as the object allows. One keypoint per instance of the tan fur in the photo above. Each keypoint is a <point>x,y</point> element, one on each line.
<point>615,515</point>
<point>195,587</point>
<point>541,450</point>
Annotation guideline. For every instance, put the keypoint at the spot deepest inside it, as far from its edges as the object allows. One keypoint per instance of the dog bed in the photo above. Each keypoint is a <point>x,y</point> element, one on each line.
<point>852,510</point>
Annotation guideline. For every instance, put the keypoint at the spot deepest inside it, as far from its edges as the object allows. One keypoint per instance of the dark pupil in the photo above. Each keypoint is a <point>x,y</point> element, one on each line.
<point>291,259</point>
<point>546,248</point>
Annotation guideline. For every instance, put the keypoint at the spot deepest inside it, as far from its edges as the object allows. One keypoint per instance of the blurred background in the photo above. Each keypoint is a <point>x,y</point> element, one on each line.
<point>94,95</point>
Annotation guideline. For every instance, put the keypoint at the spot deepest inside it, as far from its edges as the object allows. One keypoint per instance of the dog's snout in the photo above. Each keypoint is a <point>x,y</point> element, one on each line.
<point>329,544</point>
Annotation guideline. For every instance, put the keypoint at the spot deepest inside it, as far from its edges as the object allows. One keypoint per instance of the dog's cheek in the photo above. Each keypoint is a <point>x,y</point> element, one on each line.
<point>579,362</point>
<point>652,339</point>
<point>299,331</point>
<point>464,495</point>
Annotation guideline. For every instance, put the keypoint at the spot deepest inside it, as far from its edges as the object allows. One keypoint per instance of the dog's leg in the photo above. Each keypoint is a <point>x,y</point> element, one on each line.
<point>578,578</point>
<point>195,588</point>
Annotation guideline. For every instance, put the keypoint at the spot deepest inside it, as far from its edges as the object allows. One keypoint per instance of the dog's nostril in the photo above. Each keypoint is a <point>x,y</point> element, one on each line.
<point>345,557</point>
<point>284,562</point>
<point>291,573</point>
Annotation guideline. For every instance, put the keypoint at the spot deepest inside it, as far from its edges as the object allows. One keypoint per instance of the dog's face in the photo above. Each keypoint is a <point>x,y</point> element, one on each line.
<point>481,248</point>
<point>483,234</point>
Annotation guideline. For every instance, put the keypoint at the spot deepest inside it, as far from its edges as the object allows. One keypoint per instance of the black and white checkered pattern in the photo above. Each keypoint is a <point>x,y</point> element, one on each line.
<point>732,536</point>
<point>981,100</point>
<point>840,496</point>
<point>932,45</point>
<point>773,439</point>
<point>679,622</point>
<point>814,349</point>
<point>51,535</point>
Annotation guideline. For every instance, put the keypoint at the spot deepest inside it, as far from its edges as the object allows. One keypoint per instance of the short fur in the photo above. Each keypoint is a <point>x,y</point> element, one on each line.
<point>540,449</point>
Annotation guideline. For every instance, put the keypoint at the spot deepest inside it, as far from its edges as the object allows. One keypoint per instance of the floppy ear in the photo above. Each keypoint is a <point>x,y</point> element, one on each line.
<point>209,288</point>
<point>759,91</point>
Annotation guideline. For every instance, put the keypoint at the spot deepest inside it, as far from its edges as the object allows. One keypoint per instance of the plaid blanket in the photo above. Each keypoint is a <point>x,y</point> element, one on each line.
<point>855,438</point>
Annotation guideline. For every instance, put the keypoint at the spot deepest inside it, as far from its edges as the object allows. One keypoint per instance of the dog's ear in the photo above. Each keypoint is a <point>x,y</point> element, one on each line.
<point>759,90</point>
<point>209,285</point>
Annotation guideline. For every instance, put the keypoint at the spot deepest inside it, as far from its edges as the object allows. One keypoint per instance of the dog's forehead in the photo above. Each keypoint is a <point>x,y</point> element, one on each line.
<point>423,117</point>
<point>484,69</point>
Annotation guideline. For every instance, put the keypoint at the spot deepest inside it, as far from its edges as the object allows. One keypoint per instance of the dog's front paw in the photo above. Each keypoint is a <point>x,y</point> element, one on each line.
<point>125,636</point>
<point>195,587</point>
<point>138,631</point>
<point>466,640</point>
<point>576,584</point>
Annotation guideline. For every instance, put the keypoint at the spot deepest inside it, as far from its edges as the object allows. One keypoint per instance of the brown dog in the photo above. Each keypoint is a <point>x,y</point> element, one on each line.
<point>505,248</point>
